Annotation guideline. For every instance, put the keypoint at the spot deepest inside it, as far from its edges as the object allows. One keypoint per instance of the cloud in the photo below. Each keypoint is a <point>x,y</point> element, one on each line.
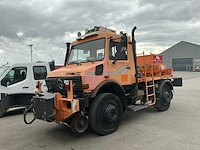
<point>19,34</point>
<point>48,25</point>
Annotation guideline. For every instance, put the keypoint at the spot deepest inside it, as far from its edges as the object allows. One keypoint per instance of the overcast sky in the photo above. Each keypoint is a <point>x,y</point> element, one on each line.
<point>49,24</point>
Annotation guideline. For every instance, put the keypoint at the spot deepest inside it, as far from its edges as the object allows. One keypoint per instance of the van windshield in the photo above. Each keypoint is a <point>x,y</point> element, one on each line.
<point>88,51</point>
<point>3,69</point>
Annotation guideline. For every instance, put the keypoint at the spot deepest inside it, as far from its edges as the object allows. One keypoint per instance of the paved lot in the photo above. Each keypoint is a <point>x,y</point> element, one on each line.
<point>175,129</point>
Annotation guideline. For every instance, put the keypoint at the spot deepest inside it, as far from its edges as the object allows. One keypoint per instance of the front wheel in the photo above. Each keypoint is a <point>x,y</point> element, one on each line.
<point>105,113</point>
<point>2,110</point>
<point>165,98</point>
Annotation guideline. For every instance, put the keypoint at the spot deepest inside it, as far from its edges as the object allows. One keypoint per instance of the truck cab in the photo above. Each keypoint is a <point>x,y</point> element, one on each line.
<point>98,58</point>
<point>18,83</point>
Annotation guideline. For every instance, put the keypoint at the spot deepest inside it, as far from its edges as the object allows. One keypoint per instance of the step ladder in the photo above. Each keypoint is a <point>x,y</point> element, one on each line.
<point>149,83</point>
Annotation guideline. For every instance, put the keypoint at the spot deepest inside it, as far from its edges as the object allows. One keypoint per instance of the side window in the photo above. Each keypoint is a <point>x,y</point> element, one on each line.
<point>40,72</point>
<point>117,51</point>
<point>15,75</point>
<point>112,52</point>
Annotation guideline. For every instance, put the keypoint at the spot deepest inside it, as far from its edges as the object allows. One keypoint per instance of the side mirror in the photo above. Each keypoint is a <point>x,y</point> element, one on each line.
<point>124,40</point>
<point>5,81</point>
<point>52,65</point>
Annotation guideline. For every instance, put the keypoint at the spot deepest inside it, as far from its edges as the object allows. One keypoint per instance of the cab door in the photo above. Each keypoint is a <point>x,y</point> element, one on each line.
<point>17,80</point>
<point>120,62</point>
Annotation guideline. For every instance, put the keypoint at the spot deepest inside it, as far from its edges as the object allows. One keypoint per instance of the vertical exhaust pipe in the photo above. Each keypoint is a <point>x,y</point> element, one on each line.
<point>134,52</point>
<point>67,53</point>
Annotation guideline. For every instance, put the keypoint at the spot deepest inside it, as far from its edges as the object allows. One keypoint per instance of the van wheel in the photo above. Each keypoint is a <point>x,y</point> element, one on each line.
<point>165,98</point>
<point>105,113</point>
<point>2,110</point>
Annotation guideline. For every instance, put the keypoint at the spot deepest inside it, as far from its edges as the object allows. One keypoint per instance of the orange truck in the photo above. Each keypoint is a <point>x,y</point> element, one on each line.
<point>102,77</point>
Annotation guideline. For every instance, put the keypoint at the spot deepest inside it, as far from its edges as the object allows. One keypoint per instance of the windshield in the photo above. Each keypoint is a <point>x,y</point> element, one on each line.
<point>88,51</point>
<point>3,69</point>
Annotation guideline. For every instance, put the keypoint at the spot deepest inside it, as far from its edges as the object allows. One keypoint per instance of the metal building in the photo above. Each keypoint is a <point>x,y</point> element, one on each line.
<point>183,56</point>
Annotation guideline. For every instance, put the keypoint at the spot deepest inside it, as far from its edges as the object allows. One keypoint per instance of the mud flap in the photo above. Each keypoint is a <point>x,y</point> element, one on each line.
<point>177,81</point>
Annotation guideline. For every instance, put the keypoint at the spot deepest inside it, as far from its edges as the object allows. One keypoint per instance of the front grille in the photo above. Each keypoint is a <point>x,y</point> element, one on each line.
<point>53,86</point>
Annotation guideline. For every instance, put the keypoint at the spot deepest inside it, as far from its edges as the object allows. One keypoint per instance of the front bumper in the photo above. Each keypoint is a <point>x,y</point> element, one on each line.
<point>52,107</point>
<point>55,107</point>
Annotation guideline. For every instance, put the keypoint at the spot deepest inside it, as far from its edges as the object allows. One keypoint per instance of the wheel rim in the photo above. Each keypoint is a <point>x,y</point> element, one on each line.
<point>166,96</point>
<point>110,113</point>
<point>79,123</point>
<point>105,113</point>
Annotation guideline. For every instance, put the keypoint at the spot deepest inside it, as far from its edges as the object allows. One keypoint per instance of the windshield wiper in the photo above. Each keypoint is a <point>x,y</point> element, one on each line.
<point>90,60</point>
<point>72,62</point>
<point>79,61</point>
<point>75,62</point>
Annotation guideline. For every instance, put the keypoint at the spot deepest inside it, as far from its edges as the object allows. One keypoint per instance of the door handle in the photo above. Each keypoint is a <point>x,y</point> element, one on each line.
<point>25,87</point>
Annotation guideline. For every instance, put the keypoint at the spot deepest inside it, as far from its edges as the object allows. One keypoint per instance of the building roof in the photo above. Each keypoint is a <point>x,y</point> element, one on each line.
<point>181,43</point>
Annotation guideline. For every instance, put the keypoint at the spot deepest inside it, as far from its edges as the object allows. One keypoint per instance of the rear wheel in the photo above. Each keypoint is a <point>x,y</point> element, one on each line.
<point>2,110</point>
<point>165,98</point>
<point>105,113</point>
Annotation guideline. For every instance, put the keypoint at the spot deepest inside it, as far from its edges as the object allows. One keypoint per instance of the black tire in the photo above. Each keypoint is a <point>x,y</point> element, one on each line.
<point>165,98</point>
<point>105,113</point>
<point>2,110</point>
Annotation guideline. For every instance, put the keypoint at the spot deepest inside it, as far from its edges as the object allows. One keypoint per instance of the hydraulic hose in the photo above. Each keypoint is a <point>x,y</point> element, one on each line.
<point>25,112</point>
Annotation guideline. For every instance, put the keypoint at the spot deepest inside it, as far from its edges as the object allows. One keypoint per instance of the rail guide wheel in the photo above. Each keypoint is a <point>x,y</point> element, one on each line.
<point>79,123</point>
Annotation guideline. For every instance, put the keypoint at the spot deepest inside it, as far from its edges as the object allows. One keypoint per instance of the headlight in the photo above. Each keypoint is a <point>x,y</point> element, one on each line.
<point>66,82</point>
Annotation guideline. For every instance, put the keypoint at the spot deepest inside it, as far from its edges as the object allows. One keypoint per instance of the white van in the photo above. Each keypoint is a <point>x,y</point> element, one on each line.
<point>18,83</point>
